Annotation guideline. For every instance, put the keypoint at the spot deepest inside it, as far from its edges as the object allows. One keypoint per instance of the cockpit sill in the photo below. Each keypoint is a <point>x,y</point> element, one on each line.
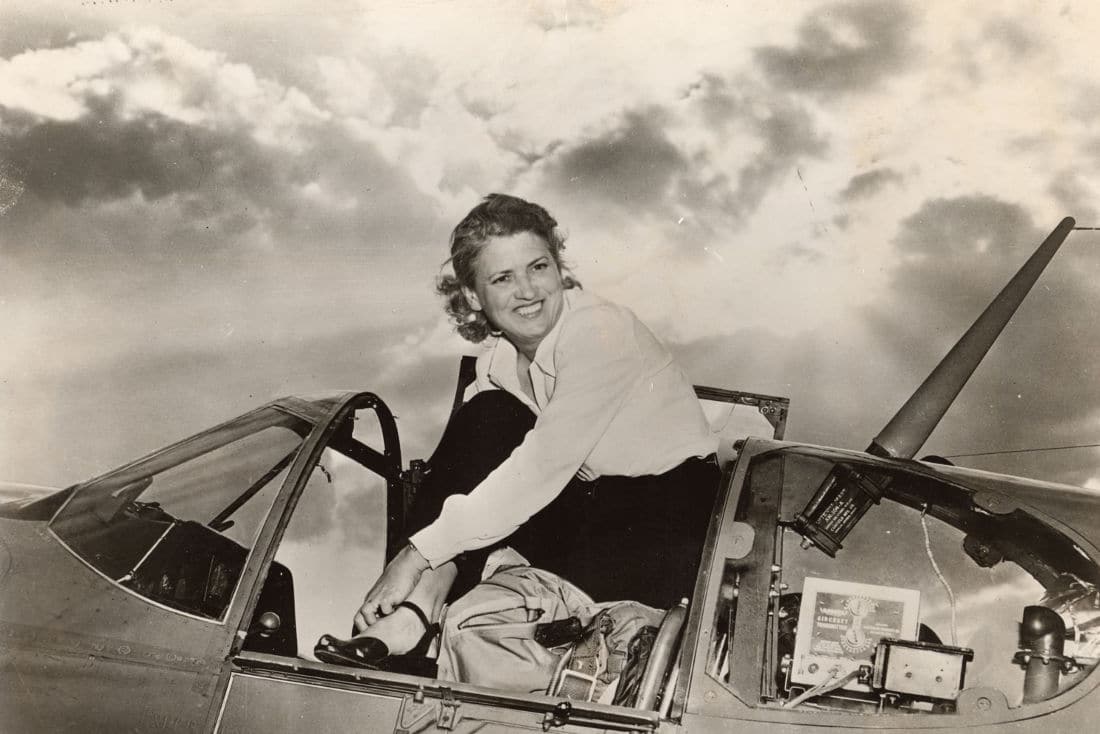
<point>995,493</point>
<point>376,681</point>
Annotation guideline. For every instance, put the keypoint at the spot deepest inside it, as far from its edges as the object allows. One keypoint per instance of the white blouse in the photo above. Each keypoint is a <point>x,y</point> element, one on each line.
<point>609,400</point>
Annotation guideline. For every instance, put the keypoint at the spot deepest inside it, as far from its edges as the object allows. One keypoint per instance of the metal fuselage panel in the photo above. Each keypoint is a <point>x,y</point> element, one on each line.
<point>268,694</point>
<point>259,704</point>
<point>79,653</point>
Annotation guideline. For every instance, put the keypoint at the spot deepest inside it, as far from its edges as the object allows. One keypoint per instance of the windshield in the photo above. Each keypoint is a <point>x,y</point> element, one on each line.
<point>177,526</point>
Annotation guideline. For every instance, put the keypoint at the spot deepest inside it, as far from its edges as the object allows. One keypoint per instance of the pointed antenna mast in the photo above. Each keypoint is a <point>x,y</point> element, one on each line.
<point>907,431</point>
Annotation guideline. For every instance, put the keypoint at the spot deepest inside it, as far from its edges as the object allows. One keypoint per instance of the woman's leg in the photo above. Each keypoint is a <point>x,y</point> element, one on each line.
<point>640,538</point>
<point>402,629</point>
<point>480,435</point>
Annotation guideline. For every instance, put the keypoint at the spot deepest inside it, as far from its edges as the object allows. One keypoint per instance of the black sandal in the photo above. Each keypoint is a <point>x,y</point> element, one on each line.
<point>373,654</point>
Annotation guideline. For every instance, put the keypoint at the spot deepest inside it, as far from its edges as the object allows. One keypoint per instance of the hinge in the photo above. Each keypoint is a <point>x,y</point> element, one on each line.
<point>448,710</point>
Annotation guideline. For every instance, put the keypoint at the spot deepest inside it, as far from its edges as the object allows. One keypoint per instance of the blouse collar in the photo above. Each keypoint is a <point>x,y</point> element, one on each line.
<point>502,362</point>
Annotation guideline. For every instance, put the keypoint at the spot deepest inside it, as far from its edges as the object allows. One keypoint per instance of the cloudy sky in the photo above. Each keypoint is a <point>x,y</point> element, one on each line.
<point>202,208</point>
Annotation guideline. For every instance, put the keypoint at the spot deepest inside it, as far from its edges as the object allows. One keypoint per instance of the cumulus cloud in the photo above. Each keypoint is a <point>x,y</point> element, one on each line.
<point>832,378</point>
<point>709,160</point>
<point>789,135</point>
<point>847,47</point>
<point>147,71</point>
<point>951,252</point>
<point>1086,105</point>
<point>798,251</point>
<point>869,183</point>
<point>342,498</point>
<point>239,159</point>
<point>171,387</point>
<point>385,89</point>
<point>149,113</point>
<point>104,156</point>
<point>1076,194</point>
<point>1035,387</point>
<point>1013,36</point>
<point>216,189</point>
<point>190,233</point>
<point>1001,43</point>
<point>760,139</point>
<point>633,165</point>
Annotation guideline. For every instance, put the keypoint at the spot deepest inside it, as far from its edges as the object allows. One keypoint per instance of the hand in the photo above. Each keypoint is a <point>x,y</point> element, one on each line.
<point>393,587</point>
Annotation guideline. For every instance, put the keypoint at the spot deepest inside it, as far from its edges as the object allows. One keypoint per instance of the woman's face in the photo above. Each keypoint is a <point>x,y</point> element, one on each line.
<point>518,285</point>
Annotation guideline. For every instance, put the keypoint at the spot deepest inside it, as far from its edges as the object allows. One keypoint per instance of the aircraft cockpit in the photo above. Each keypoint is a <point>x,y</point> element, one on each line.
<point>875,588</point>
<point>836,589</point>
<point>176,528</point>
<point>833,584</point>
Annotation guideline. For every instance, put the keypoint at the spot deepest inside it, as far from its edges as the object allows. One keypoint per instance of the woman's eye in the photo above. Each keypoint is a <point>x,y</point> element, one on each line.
<point>542,266</point>
<point>500,279</point>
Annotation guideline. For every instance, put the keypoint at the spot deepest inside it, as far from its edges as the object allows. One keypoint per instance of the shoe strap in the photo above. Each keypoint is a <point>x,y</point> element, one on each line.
<point>428,626</point>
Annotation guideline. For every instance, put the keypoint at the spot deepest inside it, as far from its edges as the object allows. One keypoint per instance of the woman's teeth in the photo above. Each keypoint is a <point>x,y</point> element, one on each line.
<point>531,311</point>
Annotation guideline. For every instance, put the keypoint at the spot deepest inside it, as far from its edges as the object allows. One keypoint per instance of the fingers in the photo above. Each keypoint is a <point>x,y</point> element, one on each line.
<point>392,587</point>
<point>368,614</point>
<point>372,610</point>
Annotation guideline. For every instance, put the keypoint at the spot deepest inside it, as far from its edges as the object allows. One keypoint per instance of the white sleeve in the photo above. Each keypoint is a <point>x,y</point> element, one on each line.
<point>598,362</point>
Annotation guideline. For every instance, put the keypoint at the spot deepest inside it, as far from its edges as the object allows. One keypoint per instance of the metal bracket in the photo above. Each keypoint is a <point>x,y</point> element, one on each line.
<point>773,408</point>
<point>1067,663</point>
<point>448,710</point>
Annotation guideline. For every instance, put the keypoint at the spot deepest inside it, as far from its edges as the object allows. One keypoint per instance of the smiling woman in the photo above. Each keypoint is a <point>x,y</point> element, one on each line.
<point>579,425</point>
<point>506,218</point>
<point>519,287</point>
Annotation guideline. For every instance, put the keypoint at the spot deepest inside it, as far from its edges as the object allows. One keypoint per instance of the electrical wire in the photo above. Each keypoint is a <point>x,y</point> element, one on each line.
<point>939,574</point>
<point>1025,451</point>
<point>830,684</point>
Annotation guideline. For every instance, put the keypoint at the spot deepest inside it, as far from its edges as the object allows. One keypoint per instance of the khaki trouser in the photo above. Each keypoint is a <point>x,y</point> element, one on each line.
<point>489,634</point>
